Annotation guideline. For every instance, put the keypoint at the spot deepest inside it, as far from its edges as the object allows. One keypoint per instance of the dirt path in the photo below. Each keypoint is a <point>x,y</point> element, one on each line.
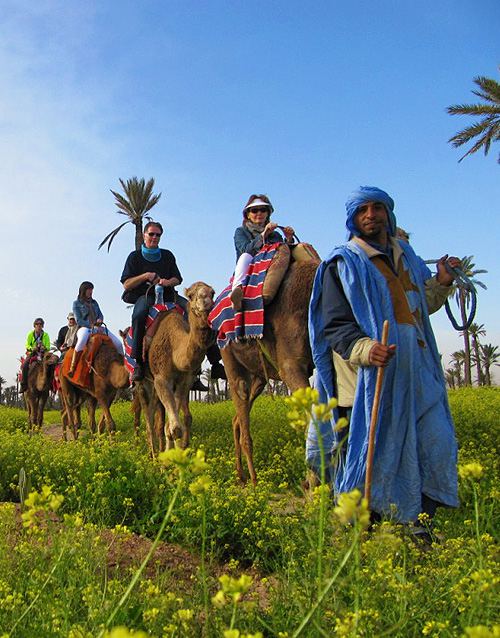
<point>53,432</point>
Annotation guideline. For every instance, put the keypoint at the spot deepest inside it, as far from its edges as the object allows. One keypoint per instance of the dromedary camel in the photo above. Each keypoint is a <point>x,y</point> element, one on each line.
<point>283,354</point>
<point>108,374</point>
<point>175,355</point>
<point>40,377</point>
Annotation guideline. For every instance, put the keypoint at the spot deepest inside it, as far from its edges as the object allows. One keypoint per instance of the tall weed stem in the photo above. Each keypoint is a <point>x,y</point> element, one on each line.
<point>328,586</point>
<point>478,533</point>
<point>322,510</point>
<point>146,560</point>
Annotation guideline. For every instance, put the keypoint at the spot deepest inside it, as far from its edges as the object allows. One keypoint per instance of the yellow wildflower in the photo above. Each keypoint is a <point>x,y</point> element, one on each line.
<point>471,470</point>
<point>352,506</point>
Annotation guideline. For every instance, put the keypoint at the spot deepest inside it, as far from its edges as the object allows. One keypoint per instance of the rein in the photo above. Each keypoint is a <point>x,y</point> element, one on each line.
<point>294,235</point>
<point>465,285</point>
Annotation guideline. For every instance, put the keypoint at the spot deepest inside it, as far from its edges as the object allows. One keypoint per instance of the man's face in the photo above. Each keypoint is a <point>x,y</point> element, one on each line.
<point>152,237</point>
<point>71,322</point>
<point>371,221</point>
<point>38,327</point>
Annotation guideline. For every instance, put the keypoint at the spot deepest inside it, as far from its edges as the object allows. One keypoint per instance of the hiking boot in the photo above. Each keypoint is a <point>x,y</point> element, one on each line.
<point>74,362</point>
<point>217,371</point>
<point>137,374</point>
<point>199,386</point>
<point>237,298</point>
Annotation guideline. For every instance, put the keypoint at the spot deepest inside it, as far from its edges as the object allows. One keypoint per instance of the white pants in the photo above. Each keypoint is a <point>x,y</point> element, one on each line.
<point>241,270</point>
<point>83,334</point>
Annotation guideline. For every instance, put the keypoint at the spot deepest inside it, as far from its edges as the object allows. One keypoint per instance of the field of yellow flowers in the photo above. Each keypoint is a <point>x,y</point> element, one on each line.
<point>218,559</point>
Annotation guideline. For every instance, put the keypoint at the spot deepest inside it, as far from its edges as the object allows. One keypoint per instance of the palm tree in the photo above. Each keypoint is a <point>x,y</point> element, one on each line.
<point>458,359</point>
<point>450,378</point>
<point>139,200</point>
<point>2,382</point>
<point>487,130</point>
<point>489,357</point>
<point>476,331</point>
<point>463,298</point>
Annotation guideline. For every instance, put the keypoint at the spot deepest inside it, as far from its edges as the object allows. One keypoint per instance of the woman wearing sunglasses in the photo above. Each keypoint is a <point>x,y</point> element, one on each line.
<point>144,267</point>
<point>256,230</point>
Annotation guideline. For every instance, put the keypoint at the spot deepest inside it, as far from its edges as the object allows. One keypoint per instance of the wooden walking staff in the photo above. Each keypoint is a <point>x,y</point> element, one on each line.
<point>374,419</point>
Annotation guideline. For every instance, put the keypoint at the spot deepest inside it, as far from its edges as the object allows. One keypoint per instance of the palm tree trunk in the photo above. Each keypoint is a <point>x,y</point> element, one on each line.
<point>475,345</point>
<point>487,378</point>
<point>463,313</point>
<point>138,234</point>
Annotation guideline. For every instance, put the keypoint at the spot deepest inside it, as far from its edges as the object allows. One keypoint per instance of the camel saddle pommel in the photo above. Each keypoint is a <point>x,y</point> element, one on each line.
<point>280,263</point>
<point>81,377</point>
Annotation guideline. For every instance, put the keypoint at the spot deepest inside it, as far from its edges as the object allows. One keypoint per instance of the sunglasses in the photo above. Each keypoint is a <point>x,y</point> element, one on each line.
<point>153,234</point>
<point>258,210</point>
<point>38,324</point>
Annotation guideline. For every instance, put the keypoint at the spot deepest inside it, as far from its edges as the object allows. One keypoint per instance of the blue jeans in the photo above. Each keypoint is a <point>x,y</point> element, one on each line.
<point>139,315</point>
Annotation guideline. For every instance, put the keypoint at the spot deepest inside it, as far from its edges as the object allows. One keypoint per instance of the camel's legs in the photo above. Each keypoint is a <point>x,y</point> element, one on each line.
<point>183,404</point>
<point>241,424</point>
<point>166,396</point>
<point>150,406</point>
<point>91,408</point>
<point>40,404</point>
<point>136,411</point>
<point>159,420</point>
<point>105,403</point>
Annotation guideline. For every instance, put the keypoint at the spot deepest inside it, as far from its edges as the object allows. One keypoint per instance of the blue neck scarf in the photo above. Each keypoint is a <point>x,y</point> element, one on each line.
<point>369,194</point>
<point>150,254</point>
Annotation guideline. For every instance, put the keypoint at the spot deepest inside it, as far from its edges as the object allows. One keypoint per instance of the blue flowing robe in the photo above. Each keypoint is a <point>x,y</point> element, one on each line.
<point>415,445</point>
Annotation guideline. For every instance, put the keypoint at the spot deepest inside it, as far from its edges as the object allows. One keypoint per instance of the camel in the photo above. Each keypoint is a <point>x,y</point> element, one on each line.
<point>282,354</point>
<point>175,355</point>
<point>108,375</point>
<point>40,377</point>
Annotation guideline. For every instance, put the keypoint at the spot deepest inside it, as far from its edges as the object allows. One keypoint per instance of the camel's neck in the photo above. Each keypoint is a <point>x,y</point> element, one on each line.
<point>43,377</point>
<point>197,338</point>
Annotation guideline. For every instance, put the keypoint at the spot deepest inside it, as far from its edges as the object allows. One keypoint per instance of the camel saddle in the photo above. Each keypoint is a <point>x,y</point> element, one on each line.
<point>81,377</point>
<point>153,320</point>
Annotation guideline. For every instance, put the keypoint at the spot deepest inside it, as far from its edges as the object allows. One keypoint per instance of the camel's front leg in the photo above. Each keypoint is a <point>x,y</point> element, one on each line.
<point>241,427</point>
<point>173,429</point>
<point>105,401</point>
<point>40,404</point>
<point>91,408</point>
<point>182,398</point>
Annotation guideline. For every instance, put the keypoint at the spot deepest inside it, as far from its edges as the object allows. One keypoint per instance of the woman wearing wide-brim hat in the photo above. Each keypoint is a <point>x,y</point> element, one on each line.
<point>255,231</point>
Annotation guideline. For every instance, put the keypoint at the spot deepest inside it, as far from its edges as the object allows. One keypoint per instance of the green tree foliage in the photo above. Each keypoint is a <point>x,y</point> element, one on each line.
<point>490,356</point>
<point>137,201</point>
<point>487,129</point>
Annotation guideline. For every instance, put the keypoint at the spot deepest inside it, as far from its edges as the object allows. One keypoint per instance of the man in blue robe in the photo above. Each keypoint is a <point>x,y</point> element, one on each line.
<point>374,277</point>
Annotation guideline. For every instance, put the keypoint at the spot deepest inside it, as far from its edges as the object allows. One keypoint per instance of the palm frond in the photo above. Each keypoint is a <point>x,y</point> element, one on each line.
<point>487,130</point>
<point>473,109</point>
<point>490,89</point>
<point>110,236</point>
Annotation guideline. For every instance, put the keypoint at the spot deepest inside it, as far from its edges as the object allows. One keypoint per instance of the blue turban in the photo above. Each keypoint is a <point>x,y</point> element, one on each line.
<point>369,194</point>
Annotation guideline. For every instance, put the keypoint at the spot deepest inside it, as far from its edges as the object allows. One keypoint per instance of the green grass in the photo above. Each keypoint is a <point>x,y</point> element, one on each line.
<point>54,580</point>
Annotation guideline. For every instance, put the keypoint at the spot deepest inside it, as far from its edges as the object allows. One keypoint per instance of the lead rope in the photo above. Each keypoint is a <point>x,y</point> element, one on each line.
<point>464,284</point>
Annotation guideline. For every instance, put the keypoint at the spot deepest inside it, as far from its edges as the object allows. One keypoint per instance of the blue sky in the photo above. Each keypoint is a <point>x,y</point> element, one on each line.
<point>216,100</point>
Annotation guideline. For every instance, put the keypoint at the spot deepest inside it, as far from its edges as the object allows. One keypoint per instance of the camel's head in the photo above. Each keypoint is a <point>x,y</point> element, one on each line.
<point>50,358</point>
<point>201,298</point>
<point>123,334</point>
